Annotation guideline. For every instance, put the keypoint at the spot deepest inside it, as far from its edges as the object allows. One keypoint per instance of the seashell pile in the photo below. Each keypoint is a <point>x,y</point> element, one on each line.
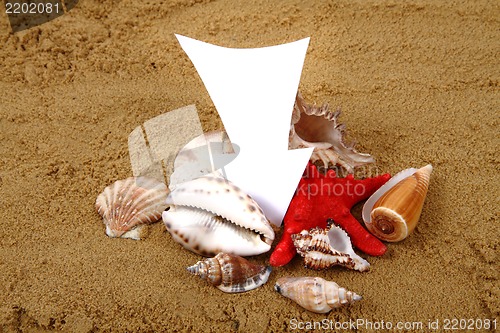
<point>128,205</point>
<point>324,248</point>
<point>393,211</point>
<point>317,127</point>
<point>231,273</point>
<point>209,215</point>
<point>314,293</point>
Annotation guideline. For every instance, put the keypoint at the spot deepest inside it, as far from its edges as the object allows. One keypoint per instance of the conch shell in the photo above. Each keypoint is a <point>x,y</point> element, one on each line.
<point>128,205</point>
<point>317,127</point>
<point>209,215</point>
<point>393,211</point>
<point>314,293</point>
<point>324,248</point>
<point>311,126</point>
<point>231,273</point>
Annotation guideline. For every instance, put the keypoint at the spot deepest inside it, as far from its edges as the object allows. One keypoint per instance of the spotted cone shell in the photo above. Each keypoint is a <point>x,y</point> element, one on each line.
<point>231,273</point>
<point>127,205</point>
<point>314,293</point>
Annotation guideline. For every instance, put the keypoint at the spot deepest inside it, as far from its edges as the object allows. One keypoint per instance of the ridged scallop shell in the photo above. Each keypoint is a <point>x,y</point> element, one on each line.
<point>231,273</point>
<point>393,211</point>
<point>325,248</point>
<point>128,205</point>
<point>317,127</point>
<point>314,293</point>
<point>209,215</point>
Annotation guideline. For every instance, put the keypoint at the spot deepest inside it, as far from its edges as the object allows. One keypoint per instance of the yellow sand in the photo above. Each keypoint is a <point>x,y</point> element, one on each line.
<point>418,83</point>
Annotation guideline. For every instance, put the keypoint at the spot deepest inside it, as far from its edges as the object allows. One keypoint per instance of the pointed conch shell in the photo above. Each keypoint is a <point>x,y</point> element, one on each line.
<point>128,205</point>
<point>324,248</point>
<point>314,293</point>
<point>231,273</point>
<point>317,127</point>
<point>393,211</point>
<point>209,215</point>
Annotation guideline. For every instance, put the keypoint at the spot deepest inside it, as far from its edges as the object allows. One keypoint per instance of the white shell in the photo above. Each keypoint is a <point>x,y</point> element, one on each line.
<point>203,155</point>
<point>127,205</point>
<point>209,215</point>
<point>315,294</point>
<point>317,127</point>
<point>324,248</point>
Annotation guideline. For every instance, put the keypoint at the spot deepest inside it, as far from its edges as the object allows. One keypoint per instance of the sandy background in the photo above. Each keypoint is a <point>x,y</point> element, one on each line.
<point>418,83</point>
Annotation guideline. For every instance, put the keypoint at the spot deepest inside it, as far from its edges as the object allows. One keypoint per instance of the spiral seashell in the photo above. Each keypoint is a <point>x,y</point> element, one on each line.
<point>392,212</point>
<point>325,248</point>
<point>317,127</point>
<point>128,205</point>
<point>314,293</point>
<point>209,215</point>
<point>231,273</point>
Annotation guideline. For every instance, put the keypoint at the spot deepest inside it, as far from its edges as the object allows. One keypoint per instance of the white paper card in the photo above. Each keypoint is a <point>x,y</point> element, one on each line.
<point>254,92</point>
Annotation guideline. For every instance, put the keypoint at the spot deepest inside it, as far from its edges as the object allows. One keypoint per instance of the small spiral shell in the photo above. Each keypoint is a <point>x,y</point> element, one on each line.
<point>231,273</point>
<point>314,293</point>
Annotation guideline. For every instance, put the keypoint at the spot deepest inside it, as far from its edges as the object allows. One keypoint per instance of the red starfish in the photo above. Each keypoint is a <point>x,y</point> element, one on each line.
<point>321,197</point>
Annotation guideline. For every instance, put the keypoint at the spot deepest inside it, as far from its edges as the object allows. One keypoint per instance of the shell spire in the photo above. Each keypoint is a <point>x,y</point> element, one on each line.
<point>392,213</point>
<point>314,293</point>
<point>231,273</point>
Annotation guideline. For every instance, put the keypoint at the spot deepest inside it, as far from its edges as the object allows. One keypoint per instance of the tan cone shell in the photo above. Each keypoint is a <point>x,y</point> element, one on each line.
<point>396,213</point>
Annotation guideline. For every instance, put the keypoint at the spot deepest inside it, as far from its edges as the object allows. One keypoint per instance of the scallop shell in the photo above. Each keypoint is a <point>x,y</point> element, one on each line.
<point>314,293</point>
<point>231,273</point>
<point>393,211</point>
<point>209,214</point>
<point>325,248</point>
<point>128,205</point>
<point>317,127</point>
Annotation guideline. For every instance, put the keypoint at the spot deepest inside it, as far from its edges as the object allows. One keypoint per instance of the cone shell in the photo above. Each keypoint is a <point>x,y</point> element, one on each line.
<point>314,293</point>
<point>395,210</point>
<point>231,273</point>
<point>128,205</point>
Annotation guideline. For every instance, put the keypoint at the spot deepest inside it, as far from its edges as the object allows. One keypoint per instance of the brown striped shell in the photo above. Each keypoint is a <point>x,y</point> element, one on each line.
<point>129,204</point>
<point>393,211</point>
<point>231,273</point>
